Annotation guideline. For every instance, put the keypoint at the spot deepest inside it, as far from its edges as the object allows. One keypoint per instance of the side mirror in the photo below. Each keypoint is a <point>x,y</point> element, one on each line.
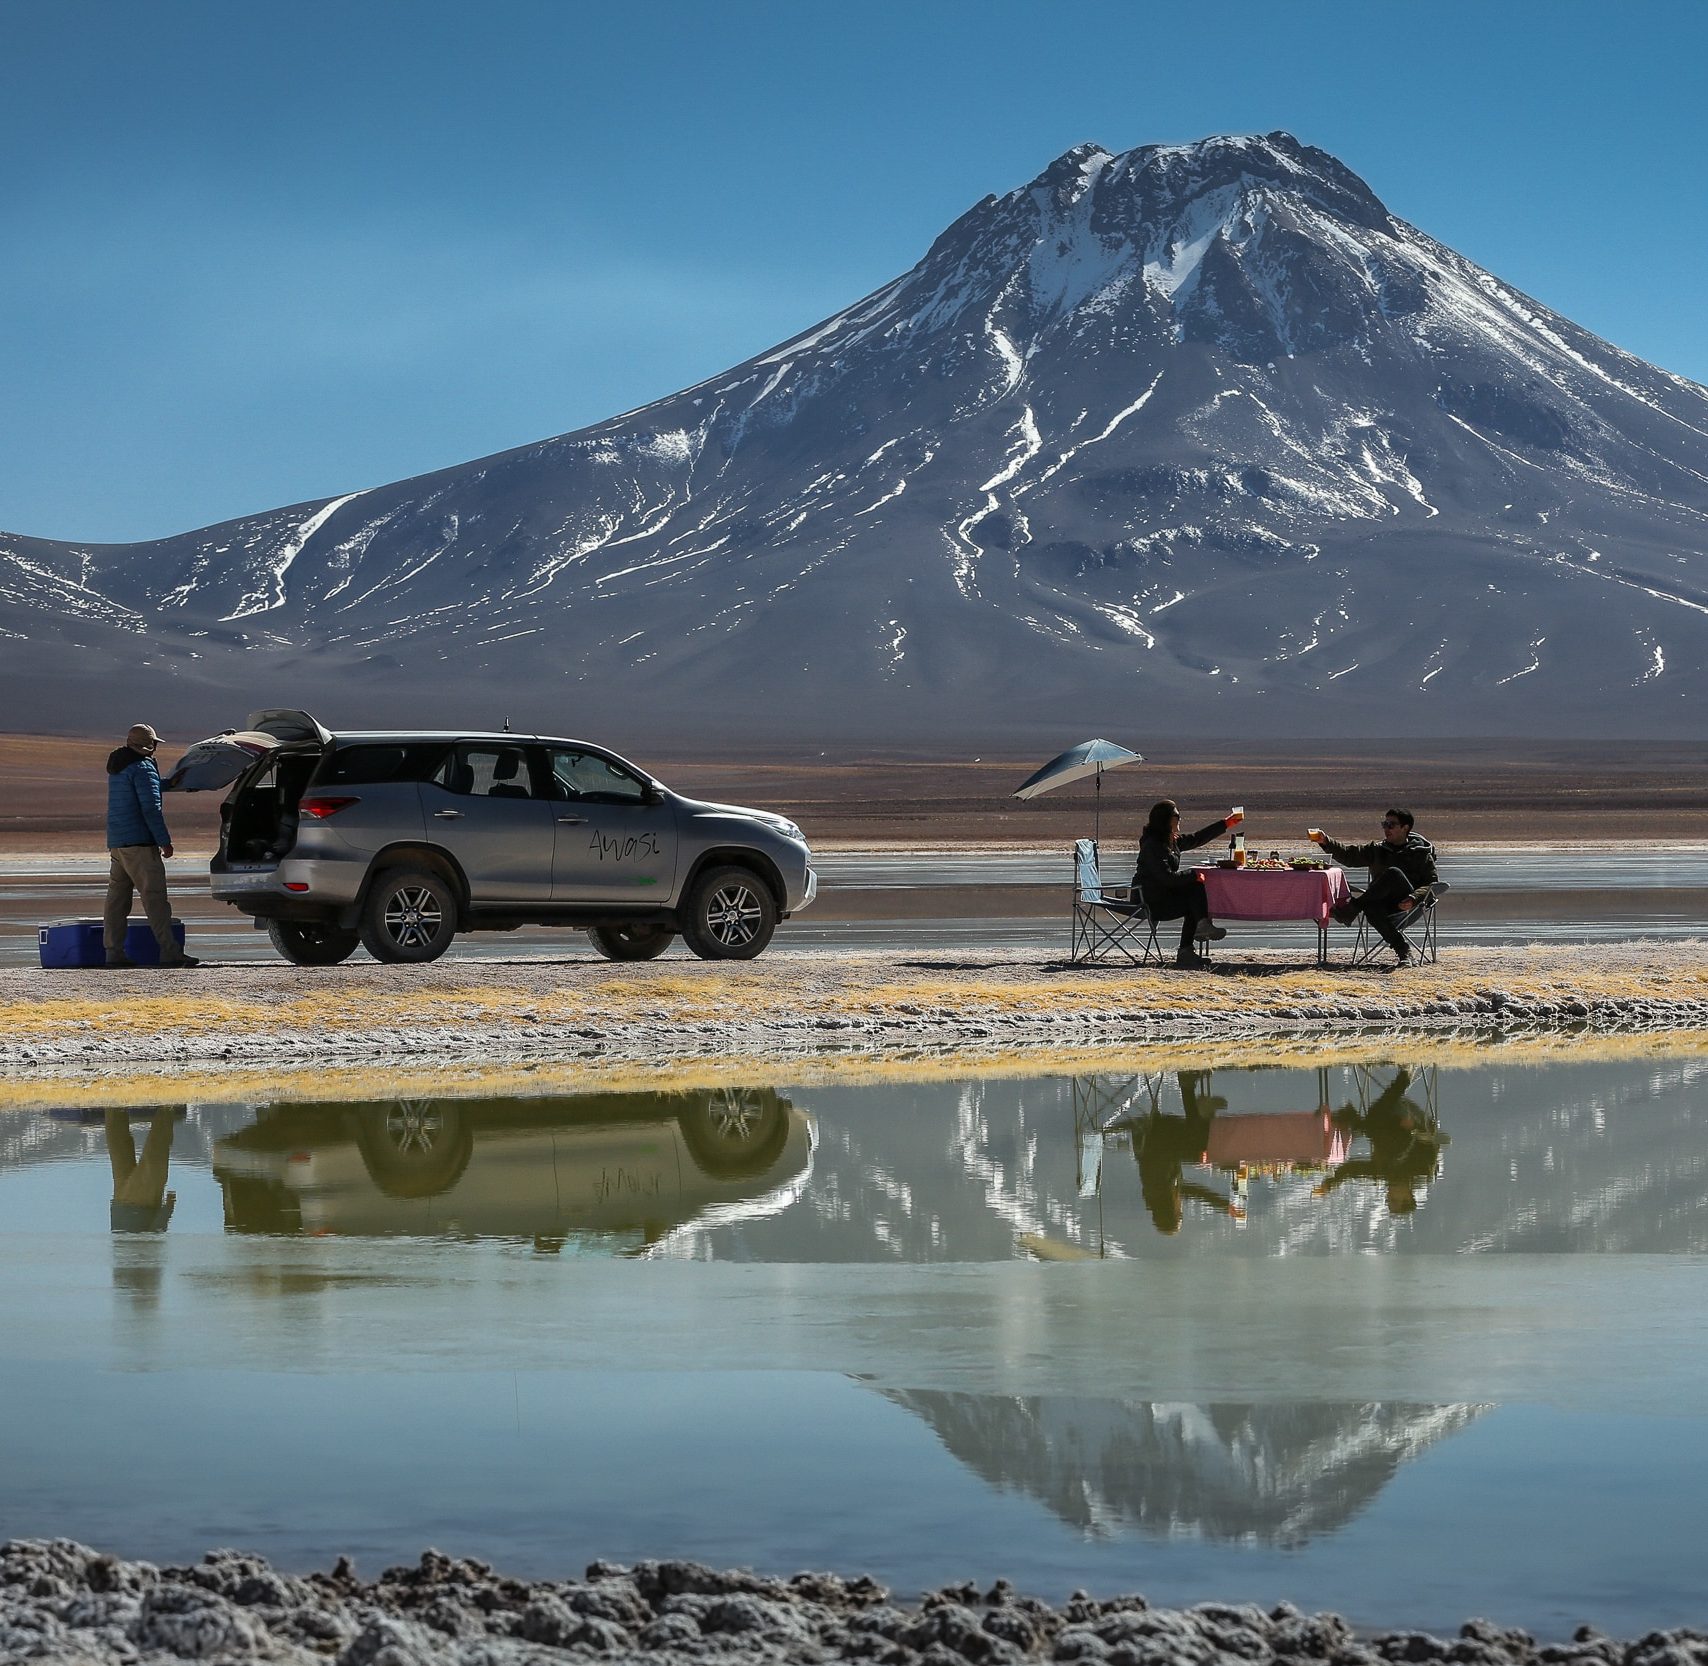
<point>654,794</point>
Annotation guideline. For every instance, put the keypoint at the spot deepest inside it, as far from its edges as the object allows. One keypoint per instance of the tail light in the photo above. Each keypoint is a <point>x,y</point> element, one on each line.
<point>322,808</point>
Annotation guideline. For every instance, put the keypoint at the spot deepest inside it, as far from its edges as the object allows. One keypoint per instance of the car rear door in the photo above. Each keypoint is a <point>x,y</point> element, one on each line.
<point>481,808</point>
<point>615,839</point>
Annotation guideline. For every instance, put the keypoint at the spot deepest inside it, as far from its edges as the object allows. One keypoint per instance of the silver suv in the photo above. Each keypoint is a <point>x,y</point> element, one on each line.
<point>398,841</point>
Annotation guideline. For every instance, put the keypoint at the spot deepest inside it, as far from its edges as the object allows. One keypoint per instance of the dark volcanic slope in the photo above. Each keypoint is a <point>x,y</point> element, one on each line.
<point>1197,435</point>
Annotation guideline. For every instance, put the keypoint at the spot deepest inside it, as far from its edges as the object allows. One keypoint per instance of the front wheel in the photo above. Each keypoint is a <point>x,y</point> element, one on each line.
<point>631,942</point>
<point>305,944</point>
<point>410,916</point>
<point>730,915</point>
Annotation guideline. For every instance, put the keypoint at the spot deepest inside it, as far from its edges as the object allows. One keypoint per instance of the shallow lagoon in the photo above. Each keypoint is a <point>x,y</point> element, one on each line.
<point>1412,1342</point>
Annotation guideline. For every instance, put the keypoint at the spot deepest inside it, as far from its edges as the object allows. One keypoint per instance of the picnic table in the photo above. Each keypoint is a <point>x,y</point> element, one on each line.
<point>1278,894</point>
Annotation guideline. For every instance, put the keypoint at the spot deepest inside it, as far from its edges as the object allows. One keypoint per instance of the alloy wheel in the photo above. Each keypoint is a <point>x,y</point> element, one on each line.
<point>733,915</point>
<point>413,917</point>
<point>413,1125</point>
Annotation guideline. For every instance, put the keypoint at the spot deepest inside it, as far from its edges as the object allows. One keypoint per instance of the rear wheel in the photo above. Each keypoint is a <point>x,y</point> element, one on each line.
<point>631,942</point>
<point>735,1133</point>
<point>730,915</point>
<point>307,944</point>
<point>413,1147</point>
<point>410,916</point>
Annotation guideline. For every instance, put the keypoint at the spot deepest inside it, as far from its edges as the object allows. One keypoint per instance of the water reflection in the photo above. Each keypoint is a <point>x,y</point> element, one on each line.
<point>618,1171</point>
<point>141,1202</point>
<point>1392,1109</point>
<point>1264,1474</point>
<point>1247,1162</point>
<point>1405,1141</point>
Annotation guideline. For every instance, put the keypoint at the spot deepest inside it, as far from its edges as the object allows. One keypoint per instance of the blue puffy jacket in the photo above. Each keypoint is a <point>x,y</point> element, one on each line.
<point>133,801</point>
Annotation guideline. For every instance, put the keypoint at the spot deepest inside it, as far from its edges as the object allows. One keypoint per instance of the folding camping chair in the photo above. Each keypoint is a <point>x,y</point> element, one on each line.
<point>1415,924</point>
<point>1108,924</point>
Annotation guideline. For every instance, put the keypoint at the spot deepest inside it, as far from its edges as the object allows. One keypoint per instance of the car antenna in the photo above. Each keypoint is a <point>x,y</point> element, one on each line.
<point>507,725</point>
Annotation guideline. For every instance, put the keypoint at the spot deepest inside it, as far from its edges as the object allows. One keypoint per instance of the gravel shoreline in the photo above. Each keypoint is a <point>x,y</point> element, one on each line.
<point>800,1004</point>
<point>61,1602</point>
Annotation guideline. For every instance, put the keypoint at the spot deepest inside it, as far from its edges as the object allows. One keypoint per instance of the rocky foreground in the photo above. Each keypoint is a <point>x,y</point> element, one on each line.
<point>62,1602</point>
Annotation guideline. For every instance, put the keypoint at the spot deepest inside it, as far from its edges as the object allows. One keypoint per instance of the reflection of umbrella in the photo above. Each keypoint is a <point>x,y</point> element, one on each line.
<point>218,761</point>
<point>1090,757</point>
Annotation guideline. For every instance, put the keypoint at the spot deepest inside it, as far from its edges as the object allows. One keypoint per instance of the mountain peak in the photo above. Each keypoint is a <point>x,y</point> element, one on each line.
<point>1275,159</point>
<point>1077,163</point>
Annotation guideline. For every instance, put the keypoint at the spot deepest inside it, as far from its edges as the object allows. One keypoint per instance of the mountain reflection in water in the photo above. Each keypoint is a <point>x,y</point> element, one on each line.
<point>1263,1474</point>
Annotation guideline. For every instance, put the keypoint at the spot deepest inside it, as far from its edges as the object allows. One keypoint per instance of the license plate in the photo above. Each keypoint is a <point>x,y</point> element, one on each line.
<point>244,881</point>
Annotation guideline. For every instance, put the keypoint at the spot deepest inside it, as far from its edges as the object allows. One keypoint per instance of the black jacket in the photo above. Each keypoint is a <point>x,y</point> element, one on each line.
<point>1157,877</point>
<point>1415,858</point>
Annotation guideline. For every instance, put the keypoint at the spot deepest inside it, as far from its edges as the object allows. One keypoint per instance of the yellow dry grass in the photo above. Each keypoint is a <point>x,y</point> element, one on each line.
<point>858,987</point>
<point>465,1078</point>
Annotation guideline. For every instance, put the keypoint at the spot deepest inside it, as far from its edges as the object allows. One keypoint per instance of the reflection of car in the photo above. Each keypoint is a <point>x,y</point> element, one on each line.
<point>401,840</point>
<point>628,1165</point>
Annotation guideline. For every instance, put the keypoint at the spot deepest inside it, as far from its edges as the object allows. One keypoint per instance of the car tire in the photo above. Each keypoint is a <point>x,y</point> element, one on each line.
<point>735,1133</point>
<point>413,1147</point>
<point>307,943</point>
<point>730,915</point>
<point>410,916</point>
<point>638,942</point>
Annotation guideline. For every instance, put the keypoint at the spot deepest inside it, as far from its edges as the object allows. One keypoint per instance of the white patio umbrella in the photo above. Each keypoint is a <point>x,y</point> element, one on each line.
<point>1090,757</point>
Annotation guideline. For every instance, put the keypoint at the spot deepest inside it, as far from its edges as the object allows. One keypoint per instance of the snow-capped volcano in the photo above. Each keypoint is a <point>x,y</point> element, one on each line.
<point>1198,431</point>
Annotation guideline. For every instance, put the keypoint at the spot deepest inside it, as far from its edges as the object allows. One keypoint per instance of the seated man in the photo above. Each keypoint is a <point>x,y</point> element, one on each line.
<point>1405,1147</point>
<point>1399,862</point>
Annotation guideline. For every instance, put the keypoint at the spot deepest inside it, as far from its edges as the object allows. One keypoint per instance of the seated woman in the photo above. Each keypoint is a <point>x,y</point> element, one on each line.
<point>1168,893</point>
<point>1162,1145</point>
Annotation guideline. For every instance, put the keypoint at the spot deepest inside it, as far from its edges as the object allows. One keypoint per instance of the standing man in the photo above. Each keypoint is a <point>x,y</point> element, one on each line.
<point>1399,862</point>
<point>137,845</point>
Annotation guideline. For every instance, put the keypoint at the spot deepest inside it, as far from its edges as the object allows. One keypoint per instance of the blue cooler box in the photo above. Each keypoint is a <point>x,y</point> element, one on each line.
<point>69,943</point>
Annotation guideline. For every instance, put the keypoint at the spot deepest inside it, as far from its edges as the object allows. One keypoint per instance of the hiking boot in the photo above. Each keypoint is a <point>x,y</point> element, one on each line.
<point>1402,957</point>
<point>120,963</point>
<point>1186,960</point>
<point>1345,912</point>
<point>1207,931</point>
<point>181,963</point>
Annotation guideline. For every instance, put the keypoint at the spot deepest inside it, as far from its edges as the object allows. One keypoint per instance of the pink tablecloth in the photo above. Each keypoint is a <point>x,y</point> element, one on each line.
<point>1259,894</point>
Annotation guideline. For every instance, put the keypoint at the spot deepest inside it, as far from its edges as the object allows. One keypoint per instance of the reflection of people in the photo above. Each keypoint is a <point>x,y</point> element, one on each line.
<point>1162,1145</point>
<point>141,1202</point>
<point>1399,862</point>
<point>137,843</point>
<point>1405,1146</point>
<point>1168,893</point>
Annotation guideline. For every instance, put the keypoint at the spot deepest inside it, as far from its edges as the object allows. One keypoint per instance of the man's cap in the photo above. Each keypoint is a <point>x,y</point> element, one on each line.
<point>141,731</point>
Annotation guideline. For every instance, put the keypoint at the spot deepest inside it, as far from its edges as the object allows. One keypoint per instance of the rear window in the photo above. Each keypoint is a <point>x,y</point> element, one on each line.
<point>374,765</point>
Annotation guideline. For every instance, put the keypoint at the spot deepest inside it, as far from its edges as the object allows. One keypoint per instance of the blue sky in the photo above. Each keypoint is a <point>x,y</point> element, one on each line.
<point>258,253</point>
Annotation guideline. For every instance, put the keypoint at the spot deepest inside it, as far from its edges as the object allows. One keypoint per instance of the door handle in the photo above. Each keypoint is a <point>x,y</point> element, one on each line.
<point>447,815</point>
<point>572,821</point>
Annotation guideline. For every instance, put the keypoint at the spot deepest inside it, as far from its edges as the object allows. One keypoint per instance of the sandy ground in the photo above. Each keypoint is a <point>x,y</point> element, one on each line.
<point>1482,791</point>
<point>804,1006</point>
<point>62,1602</point>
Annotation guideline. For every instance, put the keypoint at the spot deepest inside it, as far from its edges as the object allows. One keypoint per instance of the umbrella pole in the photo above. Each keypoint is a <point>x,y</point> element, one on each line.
<point>1097,811</point>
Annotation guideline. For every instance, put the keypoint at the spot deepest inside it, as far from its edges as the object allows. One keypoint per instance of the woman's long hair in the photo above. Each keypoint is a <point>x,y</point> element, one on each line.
<point>1160,825</point>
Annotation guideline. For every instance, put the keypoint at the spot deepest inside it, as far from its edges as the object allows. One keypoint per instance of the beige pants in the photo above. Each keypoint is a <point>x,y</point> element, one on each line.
<point>138,869</point>
<point>141,1202</point>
